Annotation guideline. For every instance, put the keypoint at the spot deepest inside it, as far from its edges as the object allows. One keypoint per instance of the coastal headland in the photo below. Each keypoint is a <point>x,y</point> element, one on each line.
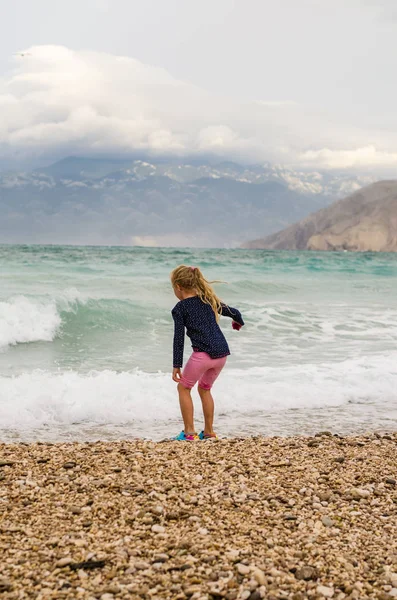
<point>300,517</point>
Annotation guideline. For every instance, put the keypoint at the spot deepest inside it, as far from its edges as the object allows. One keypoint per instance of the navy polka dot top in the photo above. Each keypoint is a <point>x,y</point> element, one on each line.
<point>201,327</point>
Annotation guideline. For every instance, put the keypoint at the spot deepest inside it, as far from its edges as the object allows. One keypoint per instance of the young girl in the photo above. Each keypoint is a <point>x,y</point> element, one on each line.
<point>198,311</point>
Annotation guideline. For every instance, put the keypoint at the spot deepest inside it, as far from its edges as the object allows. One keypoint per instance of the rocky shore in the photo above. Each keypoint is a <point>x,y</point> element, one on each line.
<point>236,519</point>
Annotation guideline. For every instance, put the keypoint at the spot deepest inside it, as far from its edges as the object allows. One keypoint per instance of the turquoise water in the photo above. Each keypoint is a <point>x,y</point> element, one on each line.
<point>86,341</point>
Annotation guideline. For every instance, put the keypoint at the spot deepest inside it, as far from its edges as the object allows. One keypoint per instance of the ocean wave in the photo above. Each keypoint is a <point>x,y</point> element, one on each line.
<point>69,314</point>
<point>25,320</point>
<point>44,399</point>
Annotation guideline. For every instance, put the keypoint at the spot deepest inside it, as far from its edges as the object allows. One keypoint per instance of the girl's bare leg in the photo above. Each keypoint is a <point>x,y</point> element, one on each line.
<point>208,410</point>
<point>186,404</point>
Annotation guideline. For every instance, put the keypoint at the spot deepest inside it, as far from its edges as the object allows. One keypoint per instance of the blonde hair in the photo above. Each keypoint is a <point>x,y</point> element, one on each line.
<point>191,278</point>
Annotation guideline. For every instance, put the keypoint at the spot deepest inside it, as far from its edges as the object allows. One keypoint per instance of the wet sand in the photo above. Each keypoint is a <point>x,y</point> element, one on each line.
<point>245,519</point>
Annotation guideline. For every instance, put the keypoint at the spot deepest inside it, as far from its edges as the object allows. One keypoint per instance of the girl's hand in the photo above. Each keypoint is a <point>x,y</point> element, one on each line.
<point>176,375</point>
<point>236,326</point>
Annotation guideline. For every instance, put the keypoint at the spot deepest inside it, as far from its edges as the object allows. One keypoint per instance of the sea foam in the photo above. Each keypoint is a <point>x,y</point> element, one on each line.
<point>24,320</point>
<point>41,399</point>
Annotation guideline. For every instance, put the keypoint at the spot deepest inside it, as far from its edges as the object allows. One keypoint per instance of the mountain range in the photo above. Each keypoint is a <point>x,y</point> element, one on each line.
<point>81,200</point>
<point>364,221</point>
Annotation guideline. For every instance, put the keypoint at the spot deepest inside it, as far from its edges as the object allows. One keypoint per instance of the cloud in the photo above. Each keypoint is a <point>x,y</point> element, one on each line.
<point>88,101</point>
<point>384,9</point>
<point>171,240</point>
<point>367,156</point>
<point>57,101</point>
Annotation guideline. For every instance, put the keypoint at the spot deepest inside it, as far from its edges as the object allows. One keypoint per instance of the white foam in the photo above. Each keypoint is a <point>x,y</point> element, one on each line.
<point>42,399</point>
<point>24,320</point>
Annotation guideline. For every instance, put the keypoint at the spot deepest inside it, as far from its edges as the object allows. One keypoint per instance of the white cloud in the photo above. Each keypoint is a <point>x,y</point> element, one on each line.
<point>172,240</point>
<point>60,101</point>
<point>367,156</point>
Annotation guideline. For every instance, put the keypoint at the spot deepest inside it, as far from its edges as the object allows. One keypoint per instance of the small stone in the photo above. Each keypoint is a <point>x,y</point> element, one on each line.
<point>158,529</point>
<point>259,576</point>
<point>325,591</point>
<point>64,562</point>
<point>256,595</point>
<point>393,592</point>
<point>243,569</point>
<point>190,590</point>
<point>327,522</point>
<point>112,589</point>
<point>203,531</point>
<point>69,465</point>
<point>233,555</point>
<point>160,558</point>
<point>307,573</point>
<point>325,496</point>
<point>87,565</point>
<point>390,481</point>
<point>141,565</point>
<point>339,459</point>
<point>75,510</point>
<point>358,493</point>
<point>157,510</point>
<point>5,585</point>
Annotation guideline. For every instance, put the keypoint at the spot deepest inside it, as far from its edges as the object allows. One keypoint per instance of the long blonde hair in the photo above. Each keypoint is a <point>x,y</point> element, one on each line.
<point>192,279</point>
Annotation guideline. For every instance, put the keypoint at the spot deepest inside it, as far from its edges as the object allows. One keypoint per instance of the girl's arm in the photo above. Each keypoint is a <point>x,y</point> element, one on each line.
<point>233,313</point>
<point>179,337</point>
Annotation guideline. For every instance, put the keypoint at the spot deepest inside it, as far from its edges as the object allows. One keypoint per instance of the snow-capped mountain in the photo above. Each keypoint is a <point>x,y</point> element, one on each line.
<point>328,184</point>
<point>198,203</point>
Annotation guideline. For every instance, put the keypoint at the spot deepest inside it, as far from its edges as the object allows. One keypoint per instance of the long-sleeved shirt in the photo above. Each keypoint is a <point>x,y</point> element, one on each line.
<point>201,327</point>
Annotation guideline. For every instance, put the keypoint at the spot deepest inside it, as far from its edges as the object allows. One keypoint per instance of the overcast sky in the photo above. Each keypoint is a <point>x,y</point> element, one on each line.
<point>309,83</point>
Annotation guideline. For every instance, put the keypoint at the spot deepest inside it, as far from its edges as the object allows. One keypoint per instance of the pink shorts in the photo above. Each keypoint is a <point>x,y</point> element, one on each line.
<point>203,369</point>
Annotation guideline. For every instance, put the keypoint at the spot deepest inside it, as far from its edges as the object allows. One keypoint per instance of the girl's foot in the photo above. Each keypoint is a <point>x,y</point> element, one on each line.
<point>186,437</point>
<point>207,436</point>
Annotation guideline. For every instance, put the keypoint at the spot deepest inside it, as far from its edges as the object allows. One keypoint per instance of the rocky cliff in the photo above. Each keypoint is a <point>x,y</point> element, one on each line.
<point>364,221</point>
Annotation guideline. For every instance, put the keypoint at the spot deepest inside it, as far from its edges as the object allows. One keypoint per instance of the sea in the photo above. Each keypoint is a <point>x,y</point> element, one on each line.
<point>86,342</point>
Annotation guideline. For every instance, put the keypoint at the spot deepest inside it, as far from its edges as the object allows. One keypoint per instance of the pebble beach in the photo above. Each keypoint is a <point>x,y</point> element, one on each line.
<point>300,517</point>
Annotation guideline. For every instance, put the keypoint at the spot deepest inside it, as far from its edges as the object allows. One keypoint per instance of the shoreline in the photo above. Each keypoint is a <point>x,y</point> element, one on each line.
<point>281,517</point>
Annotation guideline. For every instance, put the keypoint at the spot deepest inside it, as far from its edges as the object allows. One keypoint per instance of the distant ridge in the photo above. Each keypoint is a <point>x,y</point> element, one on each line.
<point>152,202</point>
<point>364,221</point>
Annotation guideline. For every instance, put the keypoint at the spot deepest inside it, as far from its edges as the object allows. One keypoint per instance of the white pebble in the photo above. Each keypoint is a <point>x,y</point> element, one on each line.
<point>325,591</point>
<point>243,569</point>
<point>64,562</point>
<point>259,576</point>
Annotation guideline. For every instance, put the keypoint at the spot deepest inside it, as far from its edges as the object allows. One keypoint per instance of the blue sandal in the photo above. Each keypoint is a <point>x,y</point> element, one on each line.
<point>185,437</point>
<point>207,436</point>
